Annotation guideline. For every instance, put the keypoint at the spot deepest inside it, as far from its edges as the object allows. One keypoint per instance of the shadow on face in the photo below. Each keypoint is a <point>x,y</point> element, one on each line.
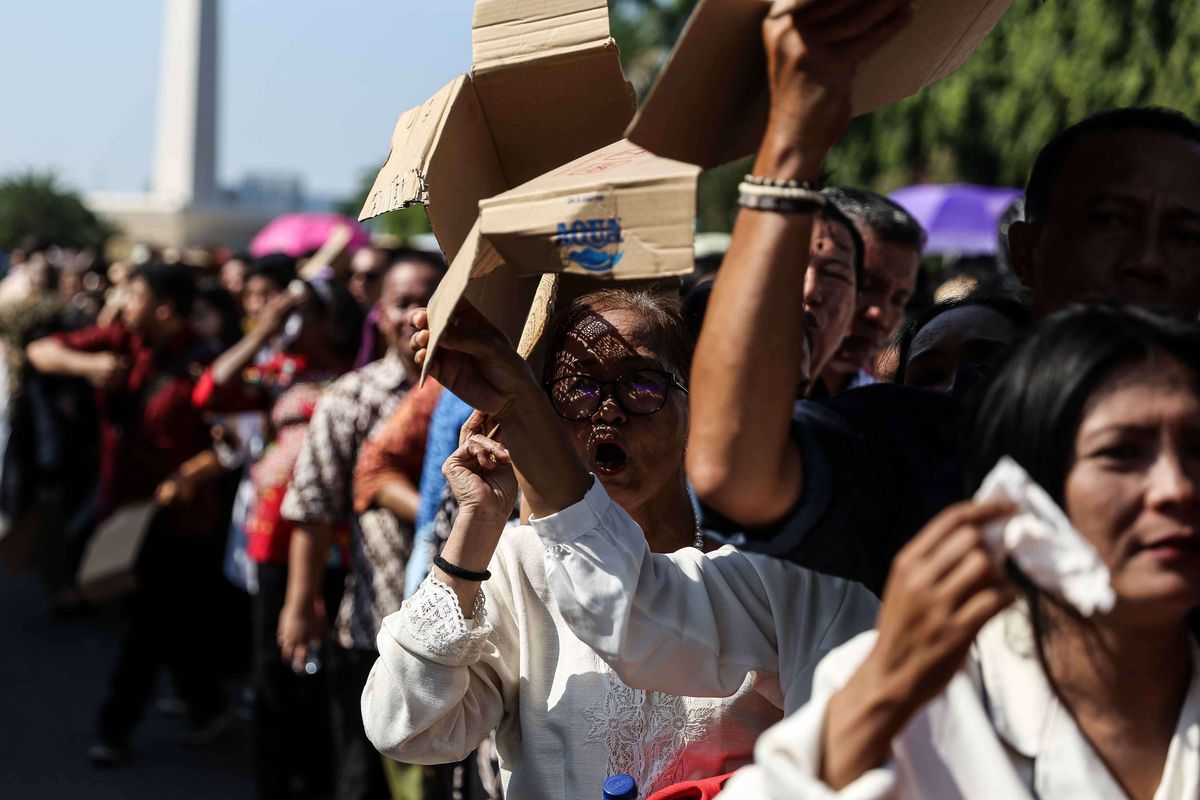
<point>1122,222</point>
<point>628,416</point>
<point>970,334</point>
<point>1132,489</point>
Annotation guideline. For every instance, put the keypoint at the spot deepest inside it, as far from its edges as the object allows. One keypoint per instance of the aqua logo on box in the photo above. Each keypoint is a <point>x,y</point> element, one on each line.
<point>590,242</point>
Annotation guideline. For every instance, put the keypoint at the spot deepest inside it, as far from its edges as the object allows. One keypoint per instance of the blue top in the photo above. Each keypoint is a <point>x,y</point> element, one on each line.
<point>448,417</point>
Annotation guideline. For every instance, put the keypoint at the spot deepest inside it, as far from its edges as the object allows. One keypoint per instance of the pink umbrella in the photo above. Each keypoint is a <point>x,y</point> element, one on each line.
<point>302,233</point>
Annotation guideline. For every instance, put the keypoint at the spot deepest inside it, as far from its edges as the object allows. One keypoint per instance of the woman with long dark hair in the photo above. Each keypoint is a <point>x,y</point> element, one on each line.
<point>980,683</point>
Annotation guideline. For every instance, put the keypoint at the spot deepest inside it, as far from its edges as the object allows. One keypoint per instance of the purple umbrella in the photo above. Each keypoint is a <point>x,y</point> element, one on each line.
<point>304,232</point>
<point>960,218</point>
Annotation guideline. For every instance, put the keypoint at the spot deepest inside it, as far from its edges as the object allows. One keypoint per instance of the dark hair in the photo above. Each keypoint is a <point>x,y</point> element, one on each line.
<point>878,214</point>
<point>340,315</point>
<point>1013,308</point>
<point>1054,155</point>
<point>219,299</point>
<point>278,268</point>
<point>831,213</point>
<point>1032,403</point>
<point>169,283</point>
<point>672,335</point>
<point>399,255</point>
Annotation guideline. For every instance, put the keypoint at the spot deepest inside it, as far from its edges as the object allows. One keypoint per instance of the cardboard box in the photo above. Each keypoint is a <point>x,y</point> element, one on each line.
<point>545,87</point>
<point>108,563</point>
<point>709,104</point>
<point>619,213</point>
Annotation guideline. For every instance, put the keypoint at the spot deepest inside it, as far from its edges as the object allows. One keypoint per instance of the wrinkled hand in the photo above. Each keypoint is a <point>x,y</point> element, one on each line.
<point>106,370</point>
<point>814,49</point>
<point>475,361</point>
<point>480,474</point>
<point>300,625</point>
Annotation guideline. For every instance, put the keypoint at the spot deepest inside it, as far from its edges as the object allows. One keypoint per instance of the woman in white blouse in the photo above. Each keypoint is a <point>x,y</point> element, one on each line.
<point>465,656</point>
<point>961,694</point>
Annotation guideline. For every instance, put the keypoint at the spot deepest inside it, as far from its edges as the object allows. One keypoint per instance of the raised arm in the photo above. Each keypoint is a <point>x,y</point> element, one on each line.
<point>721,614</point>
<point>752,355</point>
<point>477,363</point>
<point>51,356</point>
<point>447,655</point>
<point>229,365</point>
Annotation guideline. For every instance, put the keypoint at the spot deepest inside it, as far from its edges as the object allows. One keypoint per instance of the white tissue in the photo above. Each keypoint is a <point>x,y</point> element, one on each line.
<point>1040,538</point>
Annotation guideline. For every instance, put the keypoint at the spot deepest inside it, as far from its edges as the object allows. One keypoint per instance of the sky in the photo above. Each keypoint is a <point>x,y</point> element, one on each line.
<point>306,86</point>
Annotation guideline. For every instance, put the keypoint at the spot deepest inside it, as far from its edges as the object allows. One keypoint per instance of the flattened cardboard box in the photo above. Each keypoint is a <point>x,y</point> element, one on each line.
<point>545,87</point>
<point>108,564</point>
<point>619,213</point>
<point>709,104</point>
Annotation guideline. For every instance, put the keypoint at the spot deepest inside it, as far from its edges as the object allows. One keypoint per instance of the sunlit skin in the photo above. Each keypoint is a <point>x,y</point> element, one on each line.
<point>1132,490</point>
<point>889,278</point>
<point>233,276</point>
<point>139,310</point>
<point>407,286</point>
<point>366,274</point>
<point>829,290</point>
<point>605,346</point>
<point>1123,223</point>
<point>257,291</point>
<point>974,334</point>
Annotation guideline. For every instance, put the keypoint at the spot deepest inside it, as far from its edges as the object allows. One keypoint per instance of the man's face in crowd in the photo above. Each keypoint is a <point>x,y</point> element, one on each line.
<point>829,284</point>
<point>142,312</point>
<point>366,275</point>
<point>257,292</point>
<point>1122,222</point>
<point>889,277</point>
<point>407,286</point>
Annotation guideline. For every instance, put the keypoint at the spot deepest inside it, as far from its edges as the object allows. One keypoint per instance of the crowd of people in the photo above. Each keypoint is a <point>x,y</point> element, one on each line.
<point>712,540</point>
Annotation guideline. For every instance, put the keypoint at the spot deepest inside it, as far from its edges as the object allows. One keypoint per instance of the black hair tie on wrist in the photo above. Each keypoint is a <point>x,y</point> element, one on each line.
<point>458,572</point>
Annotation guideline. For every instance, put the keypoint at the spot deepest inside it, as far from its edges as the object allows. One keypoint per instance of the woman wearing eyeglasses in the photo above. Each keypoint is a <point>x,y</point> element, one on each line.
<point>483,645</point>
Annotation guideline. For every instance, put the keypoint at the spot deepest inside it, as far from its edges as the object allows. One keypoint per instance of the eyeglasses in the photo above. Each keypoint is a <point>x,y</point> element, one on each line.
<point>640,392</point>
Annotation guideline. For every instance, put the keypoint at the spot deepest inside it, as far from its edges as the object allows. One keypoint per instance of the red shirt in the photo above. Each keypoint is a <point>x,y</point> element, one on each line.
<point>149,426</point>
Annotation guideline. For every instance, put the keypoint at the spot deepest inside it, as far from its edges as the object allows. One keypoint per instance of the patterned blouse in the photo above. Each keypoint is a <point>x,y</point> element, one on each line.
<point>320,493</point>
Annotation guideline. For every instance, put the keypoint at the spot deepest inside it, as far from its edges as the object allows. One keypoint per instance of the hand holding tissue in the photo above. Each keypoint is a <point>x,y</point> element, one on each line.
<point>1041,540</point>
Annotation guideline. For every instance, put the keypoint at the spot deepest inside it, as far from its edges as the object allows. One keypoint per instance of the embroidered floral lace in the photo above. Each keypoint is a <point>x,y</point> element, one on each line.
<point>432,616</point>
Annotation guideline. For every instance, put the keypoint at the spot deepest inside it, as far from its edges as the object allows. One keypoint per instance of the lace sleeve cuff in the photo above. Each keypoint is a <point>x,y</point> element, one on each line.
<point>431,625</point>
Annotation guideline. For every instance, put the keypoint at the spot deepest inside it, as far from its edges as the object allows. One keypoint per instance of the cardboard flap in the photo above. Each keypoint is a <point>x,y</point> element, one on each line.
<point>709,104</point>
<point>509,31</point>
<point>475,254</point>
<point>401,180</point>
<point>545,113</point>
<point>618,213</point>
<point>442,155</point>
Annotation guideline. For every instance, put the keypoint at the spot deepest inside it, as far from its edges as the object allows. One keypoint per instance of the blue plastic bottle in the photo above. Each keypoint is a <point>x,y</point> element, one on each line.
<point>620,787</point>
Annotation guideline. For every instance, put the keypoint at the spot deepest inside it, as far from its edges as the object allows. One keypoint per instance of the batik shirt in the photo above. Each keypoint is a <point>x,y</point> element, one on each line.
<point>321,494</point>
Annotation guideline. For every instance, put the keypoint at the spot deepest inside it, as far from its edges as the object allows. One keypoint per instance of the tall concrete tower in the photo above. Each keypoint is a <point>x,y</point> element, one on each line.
<point>185,158</point>
<point>184,206</point>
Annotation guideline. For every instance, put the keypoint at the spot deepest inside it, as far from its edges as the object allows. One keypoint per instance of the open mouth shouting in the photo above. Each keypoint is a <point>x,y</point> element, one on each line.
<point>607,454</point>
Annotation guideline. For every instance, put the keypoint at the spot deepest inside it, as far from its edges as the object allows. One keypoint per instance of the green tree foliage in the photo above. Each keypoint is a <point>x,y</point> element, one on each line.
<point>1046,65</point>
<point>403,224</point>
<point>34,208</point>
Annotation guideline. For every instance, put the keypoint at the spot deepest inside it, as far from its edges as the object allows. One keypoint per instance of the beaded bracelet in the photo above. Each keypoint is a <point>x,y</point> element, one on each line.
<point>783,183</point>
<point>781,199</point>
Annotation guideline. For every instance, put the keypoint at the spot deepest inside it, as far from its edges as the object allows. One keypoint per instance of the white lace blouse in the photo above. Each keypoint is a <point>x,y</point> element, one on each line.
<point>565,721</point>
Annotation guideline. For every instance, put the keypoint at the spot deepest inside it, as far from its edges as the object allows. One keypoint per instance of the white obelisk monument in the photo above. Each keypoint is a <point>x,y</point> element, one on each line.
<point>185,156</point>
<point>184,205</point>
